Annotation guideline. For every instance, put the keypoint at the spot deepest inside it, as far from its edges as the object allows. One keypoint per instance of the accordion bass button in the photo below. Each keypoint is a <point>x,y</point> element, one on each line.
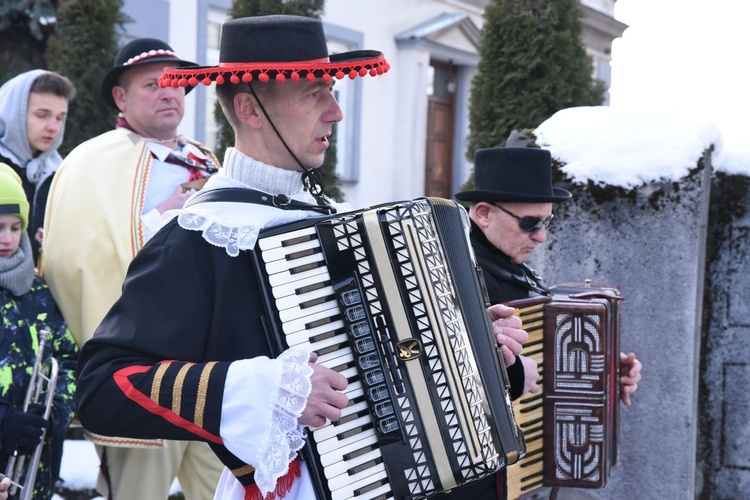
<point>383,409</point>
<point>388,425</point>
<point>374,377</point>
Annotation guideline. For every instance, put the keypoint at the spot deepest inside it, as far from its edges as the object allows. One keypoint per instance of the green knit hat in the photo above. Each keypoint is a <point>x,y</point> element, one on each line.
<point>12,196</point>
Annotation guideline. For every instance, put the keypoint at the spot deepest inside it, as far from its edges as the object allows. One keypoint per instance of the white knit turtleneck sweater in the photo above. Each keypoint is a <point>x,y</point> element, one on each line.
<point>264,177</point>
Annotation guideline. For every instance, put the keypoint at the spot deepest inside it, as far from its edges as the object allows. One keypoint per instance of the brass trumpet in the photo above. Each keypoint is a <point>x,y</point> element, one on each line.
<point>41,389</point>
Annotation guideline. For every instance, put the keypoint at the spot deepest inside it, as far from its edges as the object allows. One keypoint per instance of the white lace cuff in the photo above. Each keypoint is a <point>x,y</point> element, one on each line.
<point>287,436</point>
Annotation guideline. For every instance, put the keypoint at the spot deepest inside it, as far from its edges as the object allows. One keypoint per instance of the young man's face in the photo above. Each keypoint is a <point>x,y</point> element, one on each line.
<point>152,111</point>
<point>45,118</point>
<point>10,235</point>
<point>304,113</point>
<point>503,231</point>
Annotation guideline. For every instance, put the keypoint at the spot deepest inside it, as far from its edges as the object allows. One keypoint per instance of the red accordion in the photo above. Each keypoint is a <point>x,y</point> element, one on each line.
<point>571,426</point>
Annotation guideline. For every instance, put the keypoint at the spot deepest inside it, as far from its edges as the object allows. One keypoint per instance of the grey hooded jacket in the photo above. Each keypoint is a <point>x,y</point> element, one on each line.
<point>36,172</point>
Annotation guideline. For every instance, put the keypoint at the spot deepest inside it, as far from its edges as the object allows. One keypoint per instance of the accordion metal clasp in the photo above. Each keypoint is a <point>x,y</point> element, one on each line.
<point>409,349</point>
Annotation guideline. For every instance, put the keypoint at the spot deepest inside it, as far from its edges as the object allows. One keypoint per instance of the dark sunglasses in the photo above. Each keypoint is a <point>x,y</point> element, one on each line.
<point>529,223</point>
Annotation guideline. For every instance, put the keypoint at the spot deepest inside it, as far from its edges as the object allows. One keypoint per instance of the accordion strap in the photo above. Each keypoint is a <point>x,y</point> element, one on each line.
<point>246,195</point>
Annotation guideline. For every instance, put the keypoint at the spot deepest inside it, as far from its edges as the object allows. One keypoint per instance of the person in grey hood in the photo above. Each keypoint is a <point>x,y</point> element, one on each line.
<point>33,110</point>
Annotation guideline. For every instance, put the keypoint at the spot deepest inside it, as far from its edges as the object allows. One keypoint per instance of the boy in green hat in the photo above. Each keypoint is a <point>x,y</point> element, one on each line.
<point>27,308</point>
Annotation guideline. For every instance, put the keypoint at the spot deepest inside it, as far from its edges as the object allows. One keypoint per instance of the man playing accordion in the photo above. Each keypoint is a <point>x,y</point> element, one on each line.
<point>510,209</point>
<point>183,354</point>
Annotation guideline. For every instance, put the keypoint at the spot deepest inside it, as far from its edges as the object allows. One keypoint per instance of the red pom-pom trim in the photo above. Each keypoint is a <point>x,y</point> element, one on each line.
<point>246,72</point>
<point>283,484</point>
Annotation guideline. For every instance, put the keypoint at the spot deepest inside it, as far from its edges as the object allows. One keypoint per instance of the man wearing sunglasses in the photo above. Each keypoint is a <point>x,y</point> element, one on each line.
<point>510,210</point>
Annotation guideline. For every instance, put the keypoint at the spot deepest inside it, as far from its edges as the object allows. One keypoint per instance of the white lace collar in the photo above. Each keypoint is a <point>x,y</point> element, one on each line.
<point>235,226</point>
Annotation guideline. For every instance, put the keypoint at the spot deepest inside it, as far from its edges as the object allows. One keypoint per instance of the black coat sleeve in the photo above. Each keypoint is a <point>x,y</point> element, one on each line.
<point>147,372</point>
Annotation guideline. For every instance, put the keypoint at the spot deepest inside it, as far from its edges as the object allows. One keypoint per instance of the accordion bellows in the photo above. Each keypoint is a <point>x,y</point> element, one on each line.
<point>390,297</point>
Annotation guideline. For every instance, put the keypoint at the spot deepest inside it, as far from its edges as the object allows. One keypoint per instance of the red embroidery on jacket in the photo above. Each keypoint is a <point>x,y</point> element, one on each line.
<point>283,484</point>
<point>123,382</point>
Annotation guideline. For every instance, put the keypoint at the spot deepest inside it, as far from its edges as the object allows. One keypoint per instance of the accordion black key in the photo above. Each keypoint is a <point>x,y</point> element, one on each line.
<point>390,297</point>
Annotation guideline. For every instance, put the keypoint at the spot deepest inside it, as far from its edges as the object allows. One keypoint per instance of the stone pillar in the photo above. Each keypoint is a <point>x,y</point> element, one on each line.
<point>723,456</point>
<point>651,242</point>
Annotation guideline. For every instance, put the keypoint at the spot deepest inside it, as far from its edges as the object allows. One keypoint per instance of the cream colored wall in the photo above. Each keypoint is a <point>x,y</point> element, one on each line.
<point>394,106</point>
<point>392,122</point>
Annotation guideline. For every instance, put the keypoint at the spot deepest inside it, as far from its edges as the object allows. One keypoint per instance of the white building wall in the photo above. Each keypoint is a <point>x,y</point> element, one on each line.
<point>410,128</point>
<point>394,106</point>
<point>389,125</point>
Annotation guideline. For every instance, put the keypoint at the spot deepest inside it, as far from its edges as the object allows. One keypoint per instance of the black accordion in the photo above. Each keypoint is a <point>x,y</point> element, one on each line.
<point>571,427</point>
<point>390,297</point>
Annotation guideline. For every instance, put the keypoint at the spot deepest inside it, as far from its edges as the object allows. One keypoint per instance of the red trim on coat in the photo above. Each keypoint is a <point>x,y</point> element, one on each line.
<point>283,484</point>
<point>123,382</point>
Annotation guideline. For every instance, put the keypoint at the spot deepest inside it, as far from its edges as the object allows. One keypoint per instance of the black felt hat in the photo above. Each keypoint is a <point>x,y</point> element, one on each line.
<point>276,47</point>
<point>514,175</point>
<point>138,51</point>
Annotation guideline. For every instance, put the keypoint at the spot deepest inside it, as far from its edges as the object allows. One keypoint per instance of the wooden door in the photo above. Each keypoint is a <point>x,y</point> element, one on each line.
<point>440,133</point>
<point>439,160</point>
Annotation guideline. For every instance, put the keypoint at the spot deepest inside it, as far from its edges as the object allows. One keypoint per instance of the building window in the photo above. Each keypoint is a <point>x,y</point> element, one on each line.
<point>349,96</point>
<point>343,91</point>
<point>602,70</point>
<point>216,17</point>
<point>213,33</point>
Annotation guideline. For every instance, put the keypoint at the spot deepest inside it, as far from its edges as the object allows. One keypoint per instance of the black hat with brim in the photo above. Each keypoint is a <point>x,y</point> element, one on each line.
<point>513,175</point>
<point>139,51</point>
<point>278,48</point>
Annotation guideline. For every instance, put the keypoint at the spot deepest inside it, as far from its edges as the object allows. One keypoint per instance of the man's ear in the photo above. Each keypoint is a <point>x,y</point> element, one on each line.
<point>247,109</point>
<point>118,95</point>
<point>480,214</point>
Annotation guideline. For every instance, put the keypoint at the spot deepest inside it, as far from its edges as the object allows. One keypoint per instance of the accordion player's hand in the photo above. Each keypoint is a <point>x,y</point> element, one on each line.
<point>630,375</point>
<point>325,401</point>
<point>175,201</point>
<point>508,333</point>
<point>4,486</point>
<point>531,375</point>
